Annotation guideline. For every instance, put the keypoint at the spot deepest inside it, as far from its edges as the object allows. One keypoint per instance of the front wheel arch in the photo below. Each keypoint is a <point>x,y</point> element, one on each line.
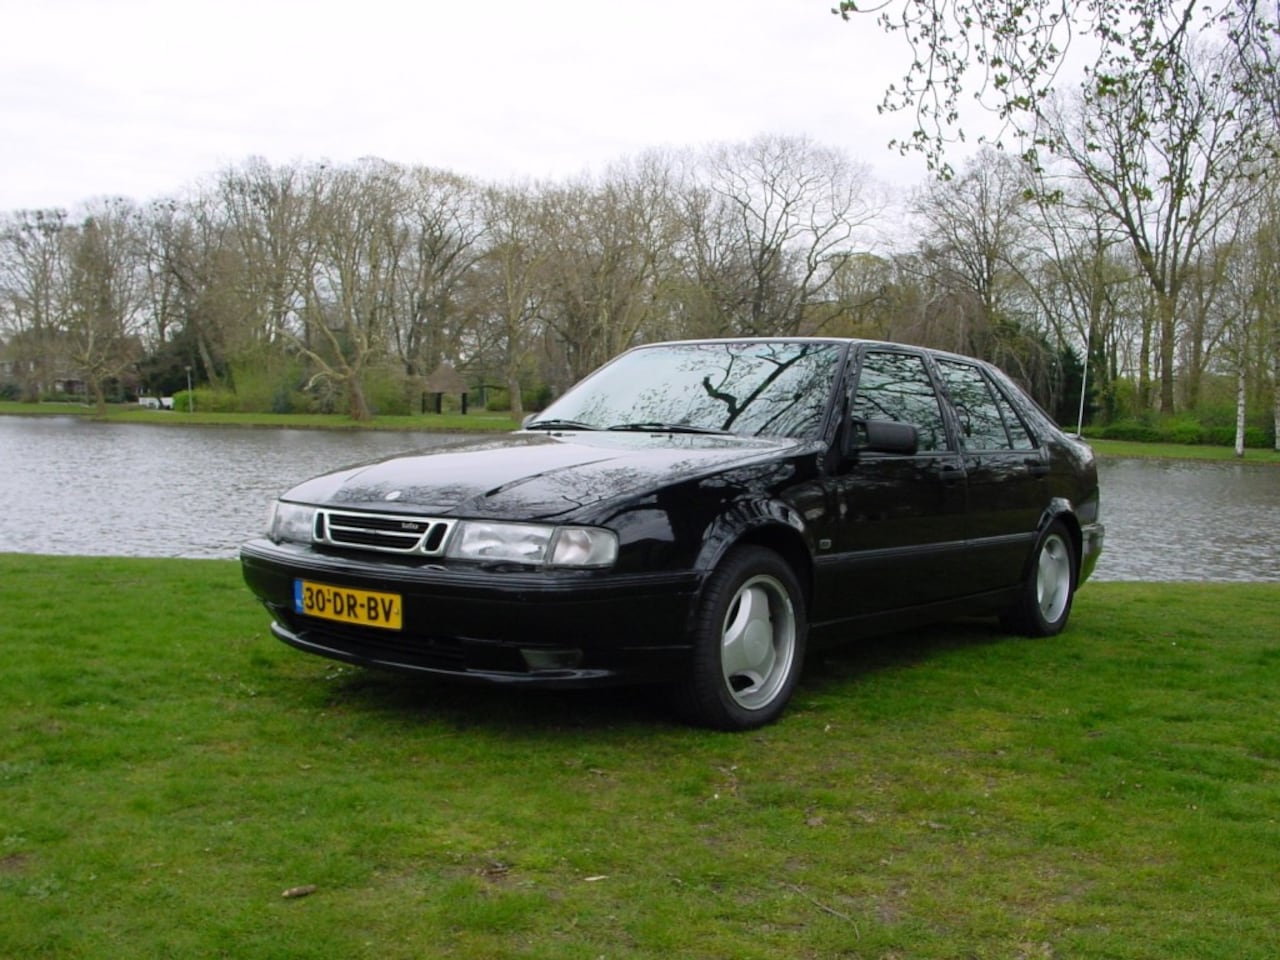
<point>782,539</point>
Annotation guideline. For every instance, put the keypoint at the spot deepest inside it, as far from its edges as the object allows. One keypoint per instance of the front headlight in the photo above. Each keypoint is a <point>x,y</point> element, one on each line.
<point>584,547</point>
<point>291,522</point>
<point>533,544</point>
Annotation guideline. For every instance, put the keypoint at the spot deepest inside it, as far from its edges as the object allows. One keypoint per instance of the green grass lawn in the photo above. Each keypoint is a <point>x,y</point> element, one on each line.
<point>168,771</point>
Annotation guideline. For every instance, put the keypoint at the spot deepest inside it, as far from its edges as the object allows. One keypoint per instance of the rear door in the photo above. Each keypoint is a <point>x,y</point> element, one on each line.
<point>1007,471</point>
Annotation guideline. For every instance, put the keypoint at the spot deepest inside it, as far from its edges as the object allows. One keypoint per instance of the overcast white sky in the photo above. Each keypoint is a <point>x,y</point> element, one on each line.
<point>142,98</point>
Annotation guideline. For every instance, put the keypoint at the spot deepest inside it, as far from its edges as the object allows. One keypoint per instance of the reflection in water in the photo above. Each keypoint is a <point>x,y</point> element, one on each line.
<point>70,486</point>
<point>1189,520</point>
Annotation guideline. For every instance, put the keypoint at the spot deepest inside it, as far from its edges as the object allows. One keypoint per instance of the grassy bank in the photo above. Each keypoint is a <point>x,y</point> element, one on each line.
<point>1179,451</point>
<point>481,420</point>
<point>488,421</point>
<point>167,771</point>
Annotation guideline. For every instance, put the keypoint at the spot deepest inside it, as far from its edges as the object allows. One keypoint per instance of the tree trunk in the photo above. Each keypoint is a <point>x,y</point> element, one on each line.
<point>1144,366</point>
<point>1275,385</point>
<point>517,401</point>
<point>1168,334</point>
<point>359,407</point>
<point>1241,394</point>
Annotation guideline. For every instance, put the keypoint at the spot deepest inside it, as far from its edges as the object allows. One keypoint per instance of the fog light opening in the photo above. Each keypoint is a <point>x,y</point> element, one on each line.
<point>542,658</point>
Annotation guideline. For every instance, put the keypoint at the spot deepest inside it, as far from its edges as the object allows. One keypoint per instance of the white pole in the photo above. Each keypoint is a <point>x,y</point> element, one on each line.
<point>1084,385</point>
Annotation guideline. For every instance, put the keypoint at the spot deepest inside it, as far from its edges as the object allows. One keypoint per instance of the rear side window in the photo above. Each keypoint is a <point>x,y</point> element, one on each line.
<point>988,421</point>
<point>896,386</point>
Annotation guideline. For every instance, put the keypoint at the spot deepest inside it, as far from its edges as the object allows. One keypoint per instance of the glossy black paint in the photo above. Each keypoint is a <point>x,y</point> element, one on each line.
<point>878,537</point>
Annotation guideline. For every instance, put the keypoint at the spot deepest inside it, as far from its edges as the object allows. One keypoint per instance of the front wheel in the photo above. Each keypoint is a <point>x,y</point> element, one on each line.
<point>1045,601</point>
<point>748,643</point>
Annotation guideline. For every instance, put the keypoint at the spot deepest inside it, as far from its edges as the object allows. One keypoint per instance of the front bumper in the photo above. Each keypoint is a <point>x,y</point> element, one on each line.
<point>548,629</point>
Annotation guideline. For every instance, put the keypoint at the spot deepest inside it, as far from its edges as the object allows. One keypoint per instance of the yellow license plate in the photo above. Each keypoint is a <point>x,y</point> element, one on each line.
<point>347,605</point>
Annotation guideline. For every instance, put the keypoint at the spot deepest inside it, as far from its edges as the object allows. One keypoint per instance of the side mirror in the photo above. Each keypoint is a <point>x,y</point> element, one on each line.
<point>881,436</point>
<point>890,436</point>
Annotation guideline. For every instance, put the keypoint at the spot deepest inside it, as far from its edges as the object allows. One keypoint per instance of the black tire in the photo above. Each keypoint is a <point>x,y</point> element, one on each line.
<point>1044,604</point>
<point>748,643</point>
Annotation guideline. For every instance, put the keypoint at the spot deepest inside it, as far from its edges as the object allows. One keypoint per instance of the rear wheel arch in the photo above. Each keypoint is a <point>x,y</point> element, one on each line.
<point>1045,596</point>
<point>1063,514</point>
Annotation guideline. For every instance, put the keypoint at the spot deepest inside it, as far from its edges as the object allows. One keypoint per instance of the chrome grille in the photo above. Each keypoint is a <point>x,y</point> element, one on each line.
<point>388,532</point>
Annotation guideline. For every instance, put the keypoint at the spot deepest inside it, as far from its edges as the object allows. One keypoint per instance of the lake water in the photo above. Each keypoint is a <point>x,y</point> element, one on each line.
<point>71,486</point>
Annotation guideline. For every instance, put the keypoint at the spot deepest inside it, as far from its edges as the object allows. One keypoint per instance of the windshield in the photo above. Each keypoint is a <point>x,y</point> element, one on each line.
<point>761,388</point>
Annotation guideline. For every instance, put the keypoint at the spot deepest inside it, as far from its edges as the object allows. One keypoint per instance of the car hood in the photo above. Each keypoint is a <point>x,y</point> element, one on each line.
<point>535,476</point>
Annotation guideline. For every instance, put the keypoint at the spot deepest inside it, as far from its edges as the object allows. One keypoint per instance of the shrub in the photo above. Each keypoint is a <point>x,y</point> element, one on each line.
<point>261,387</point>
<point>497,399</point>
<point>206,400</point>
<point>1132,430</point>
<point>533,398</point>
<point>386,393</point>
<point>1182,429</point>
<point>538,398</point>
<point>1254,437</point>
<point>284,400</point>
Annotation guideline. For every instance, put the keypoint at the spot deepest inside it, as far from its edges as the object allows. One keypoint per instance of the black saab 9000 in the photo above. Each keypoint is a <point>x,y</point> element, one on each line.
<point>695,514</point>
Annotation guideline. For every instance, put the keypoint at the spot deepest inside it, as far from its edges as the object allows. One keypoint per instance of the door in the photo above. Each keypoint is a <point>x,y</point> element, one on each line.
<point>1007,474</point>
<point>899,518</point>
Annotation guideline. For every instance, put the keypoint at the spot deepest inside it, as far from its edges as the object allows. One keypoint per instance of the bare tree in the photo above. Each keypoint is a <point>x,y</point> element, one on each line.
<point>1170,183</point>
<point>871,295</point>
<point>1254,321</point>
<point>779,216</point>
<point>446,231</point>
<point>1082,280</point>
<point>610,248</point>
<point>361,242</point>
<point>975,231</point>
<point>103,291</point>
<point>514,279</point>
<point>194,259</point>
<point>270,216</point>
<point>976,239</point>
<point>31,269</point>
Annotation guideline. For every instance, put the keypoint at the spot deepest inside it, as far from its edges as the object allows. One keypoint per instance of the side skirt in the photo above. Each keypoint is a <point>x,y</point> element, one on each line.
<point>830,633</point>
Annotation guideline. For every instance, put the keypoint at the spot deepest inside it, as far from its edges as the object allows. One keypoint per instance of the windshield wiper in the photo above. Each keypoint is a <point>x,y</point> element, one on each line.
<point>559,425</point>
<point>653,426</point>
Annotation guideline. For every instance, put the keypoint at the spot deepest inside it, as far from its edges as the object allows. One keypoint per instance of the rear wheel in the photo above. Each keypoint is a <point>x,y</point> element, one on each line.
<point>749,638</point>
<point>1045,602</point>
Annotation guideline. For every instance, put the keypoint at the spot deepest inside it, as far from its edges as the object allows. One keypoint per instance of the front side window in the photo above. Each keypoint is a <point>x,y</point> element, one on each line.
<point>896,386</point>
<point>987,420</point>
<point>760,388</point>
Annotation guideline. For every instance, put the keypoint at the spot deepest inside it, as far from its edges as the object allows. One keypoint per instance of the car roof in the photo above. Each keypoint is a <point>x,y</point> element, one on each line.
<point>842,341</point>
